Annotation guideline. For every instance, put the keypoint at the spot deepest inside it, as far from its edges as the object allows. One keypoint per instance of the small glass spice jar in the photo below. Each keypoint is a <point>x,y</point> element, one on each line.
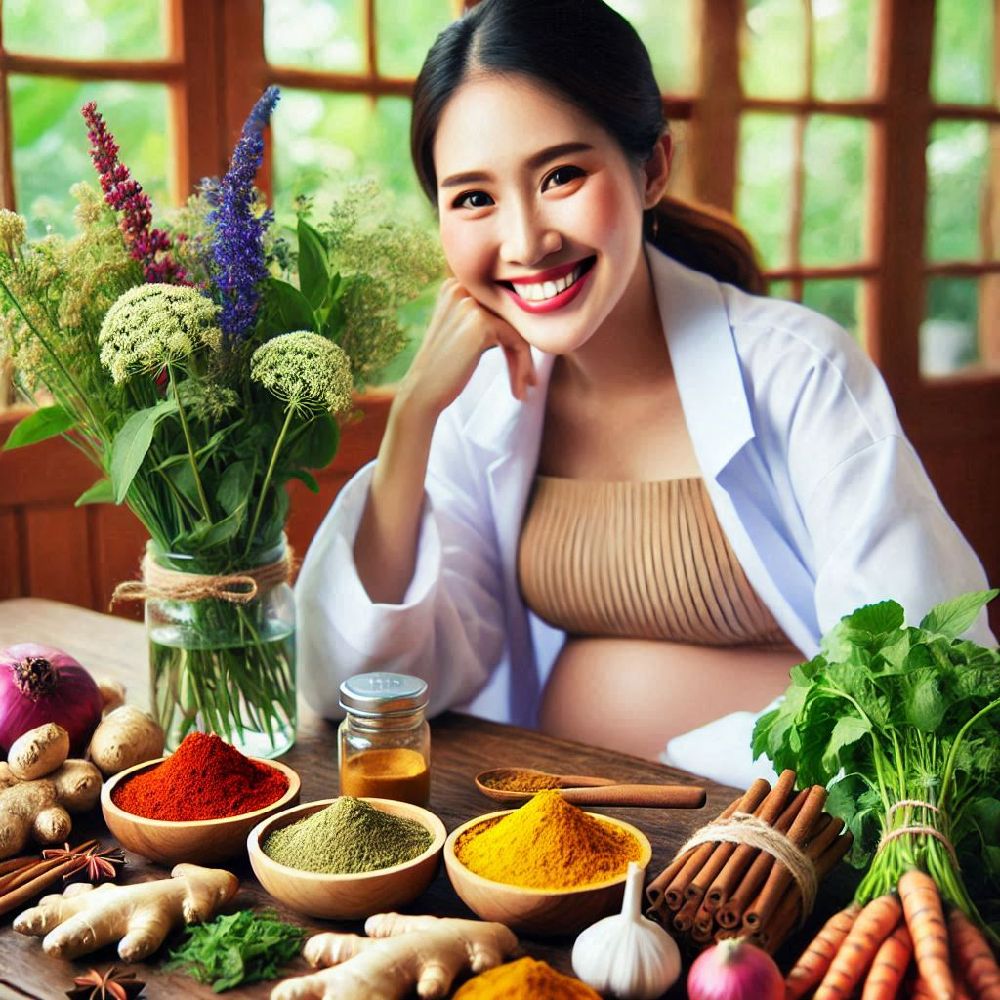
<point>384,742</point>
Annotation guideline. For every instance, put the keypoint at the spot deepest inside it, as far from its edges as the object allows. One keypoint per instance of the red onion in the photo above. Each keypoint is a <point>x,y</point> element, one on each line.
<point>40,684</point>
<point>735,970</point>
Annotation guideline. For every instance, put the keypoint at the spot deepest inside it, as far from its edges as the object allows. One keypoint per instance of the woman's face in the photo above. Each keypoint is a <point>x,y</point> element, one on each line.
<point>540,209</point>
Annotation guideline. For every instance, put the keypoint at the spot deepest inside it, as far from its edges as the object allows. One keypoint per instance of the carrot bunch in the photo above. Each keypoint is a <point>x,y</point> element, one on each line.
<point>898,945</point>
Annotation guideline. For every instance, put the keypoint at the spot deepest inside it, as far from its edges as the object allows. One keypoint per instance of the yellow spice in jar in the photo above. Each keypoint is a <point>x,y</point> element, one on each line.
<point>548,844</point>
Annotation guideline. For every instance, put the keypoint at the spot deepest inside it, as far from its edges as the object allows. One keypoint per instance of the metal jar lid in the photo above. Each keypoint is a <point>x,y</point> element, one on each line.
<point>381,693</point>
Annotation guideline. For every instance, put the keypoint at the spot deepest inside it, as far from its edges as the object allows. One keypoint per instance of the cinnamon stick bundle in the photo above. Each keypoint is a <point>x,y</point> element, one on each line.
<point>716,889</point>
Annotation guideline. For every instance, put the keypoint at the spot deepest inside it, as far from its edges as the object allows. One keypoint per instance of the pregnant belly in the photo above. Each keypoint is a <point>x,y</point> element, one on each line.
<point>635,694</point>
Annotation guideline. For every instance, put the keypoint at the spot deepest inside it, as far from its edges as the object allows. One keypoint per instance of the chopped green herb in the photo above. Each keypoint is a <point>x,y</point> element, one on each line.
<point>241,947</point>
<point>887,714</point>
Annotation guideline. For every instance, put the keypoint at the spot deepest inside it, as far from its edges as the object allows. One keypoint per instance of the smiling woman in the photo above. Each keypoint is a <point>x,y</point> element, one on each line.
<point>654,498</point>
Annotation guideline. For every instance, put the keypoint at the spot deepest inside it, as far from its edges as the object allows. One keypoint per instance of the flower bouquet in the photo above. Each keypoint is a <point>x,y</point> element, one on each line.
<point>201,367</point>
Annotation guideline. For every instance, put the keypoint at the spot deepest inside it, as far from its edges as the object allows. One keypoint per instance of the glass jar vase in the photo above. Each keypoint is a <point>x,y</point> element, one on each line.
<point>223,666</point>
<point>384,742</point>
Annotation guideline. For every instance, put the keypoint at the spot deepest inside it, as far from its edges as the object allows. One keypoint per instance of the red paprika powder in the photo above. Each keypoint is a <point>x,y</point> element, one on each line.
<point>204,778</point>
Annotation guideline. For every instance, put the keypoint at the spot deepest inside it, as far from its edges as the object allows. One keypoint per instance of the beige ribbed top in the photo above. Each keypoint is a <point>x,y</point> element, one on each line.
<point>642,560</point>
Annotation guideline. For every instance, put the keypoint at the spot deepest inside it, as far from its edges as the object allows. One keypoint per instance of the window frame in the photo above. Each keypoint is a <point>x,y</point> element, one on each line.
<point>215,67</point>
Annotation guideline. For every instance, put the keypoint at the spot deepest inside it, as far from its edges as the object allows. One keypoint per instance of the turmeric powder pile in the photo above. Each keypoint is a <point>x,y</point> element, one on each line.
<point>548,844</point>
<point>525,979</point>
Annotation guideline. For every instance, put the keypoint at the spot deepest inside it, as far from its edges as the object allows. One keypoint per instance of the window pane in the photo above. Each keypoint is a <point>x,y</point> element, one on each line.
<point>957,189</point>
<point>962,71</point>
<point>835,151</point>
<point>51,152</point>
<point>842,31</point>
<point>774,42</point>
<point>763,205</point>
<point>318,34</point>
<point>85,29</point>
<point>405,31</point>
<point>320,136</point>
<point>668,29</point>
<point>781,290</point>
<point>836,298</point>
<point>949,337</point>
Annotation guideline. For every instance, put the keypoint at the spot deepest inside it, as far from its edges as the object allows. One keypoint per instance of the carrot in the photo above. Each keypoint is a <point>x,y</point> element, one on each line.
<point>889,965</point>
<point>921,901</point>
<point>873,925</point>
<point>816,959</point>
<point>972,958</point>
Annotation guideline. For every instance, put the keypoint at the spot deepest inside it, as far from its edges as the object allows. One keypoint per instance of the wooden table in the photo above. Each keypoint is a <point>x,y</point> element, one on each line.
<point>462,746</point>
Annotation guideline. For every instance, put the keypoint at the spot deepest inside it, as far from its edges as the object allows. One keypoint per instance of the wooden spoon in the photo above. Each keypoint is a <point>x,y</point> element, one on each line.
<point>587,790</point>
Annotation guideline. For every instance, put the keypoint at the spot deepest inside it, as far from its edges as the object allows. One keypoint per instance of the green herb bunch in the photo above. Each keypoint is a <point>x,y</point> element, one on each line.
<point>202,370</point>
<point>889,714</point>
<point>241,947</point>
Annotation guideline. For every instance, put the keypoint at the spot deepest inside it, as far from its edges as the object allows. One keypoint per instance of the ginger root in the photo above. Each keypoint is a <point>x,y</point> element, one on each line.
<point>38,751</point>
<point>138,916</point>
<point>125,737</point>
<point>40,807</point>
<point>400,953</point>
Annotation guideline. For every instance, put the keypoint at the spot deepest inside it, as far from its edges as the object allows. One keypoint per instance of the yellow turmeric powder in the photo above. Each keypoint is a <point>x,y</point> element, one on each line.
<point>547,844</point>
<point>525,979</point>
<point>518,781</point>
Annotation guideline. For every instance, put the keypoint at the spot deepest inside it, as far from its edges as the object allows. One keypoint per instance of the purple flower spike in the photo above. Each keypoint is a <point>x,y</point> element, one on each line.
<point>238,241</point>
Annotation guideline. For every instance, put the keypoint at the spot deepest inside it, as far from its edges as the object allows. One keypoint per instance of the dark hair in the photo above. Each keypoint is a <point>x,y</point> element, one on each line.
<point>592,57</point>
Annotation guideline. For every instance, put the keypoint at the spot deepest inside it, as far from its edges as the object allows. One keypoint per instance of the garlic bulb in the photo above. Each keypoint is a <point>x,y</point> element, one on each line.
<point>627,956</point>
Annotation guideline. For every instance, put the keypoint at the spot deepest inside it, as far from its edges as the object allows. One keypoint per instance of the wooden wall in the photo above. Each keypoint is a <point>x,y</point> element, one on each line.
<point>50,549</point>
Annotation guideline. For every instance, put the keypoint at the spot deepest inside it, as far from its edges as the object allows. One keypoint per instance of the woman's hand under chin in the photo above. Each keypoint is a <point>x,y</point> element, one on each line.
<point>460,330</point>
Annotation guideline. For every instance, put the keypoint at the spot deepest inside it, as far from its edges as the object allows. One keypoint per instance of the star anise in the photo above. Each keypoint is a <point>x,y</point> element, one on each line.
<point>113,985</point>
<point>92,865</point>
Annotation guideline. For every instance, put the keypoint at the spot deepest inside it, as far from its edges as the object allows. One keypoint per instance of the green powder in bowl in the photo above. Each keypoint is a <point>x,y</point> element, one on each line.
<point>346,838</point>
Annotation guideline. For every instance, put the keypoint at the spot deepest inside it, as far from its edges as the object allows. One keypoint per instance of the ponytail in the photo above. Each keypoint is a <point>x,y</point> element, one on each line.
<point>706,239</point>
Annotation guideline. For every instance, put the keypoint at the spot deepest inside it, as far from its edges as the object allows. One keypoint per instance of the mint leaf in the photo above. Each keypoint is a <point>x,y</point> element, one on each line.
<point>953,617</point>
<point>877,619</point>
<point>847,731</point>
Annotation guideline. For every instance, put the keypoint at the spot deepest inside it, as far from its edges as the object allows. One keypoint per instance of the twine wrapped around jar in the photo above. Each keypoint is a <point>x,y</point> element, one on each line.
<point>161,584</point>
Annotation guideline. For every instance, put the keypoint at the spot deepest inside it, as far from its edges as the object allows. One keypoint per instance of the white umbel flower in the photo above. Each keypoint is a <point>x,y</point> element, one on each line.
<point>154,325</point>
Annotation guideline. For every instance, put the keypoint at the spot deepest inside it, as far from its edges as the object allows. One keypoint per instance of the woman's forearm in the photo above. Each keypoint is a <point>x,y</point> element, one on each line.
<point>385,548</point>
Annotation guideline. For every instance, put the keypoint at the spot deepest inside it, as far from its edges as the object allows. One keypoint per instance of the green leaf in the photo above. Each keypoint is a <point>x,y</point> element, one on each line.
<point>182,476</point>
<point>234,487</point>
<point>334,322</point>
<point>101,492</point>
<point>877,619</point>
<point>924,707</point>
<point>848,730</point>
<point>953,617</point>
<point>316,445</point>
<point>131,443</point>
<point>305,477</point>
<point>291,307</point>
<point>40,425</point>
<point>314,278</point>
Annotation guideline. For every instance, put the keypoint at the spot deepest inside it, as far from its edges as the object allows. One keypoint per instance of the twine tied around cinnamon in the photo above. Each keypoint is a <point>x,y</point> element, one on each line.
<point>916,829</point>
<point>745,828</point>
<point>161,584</point>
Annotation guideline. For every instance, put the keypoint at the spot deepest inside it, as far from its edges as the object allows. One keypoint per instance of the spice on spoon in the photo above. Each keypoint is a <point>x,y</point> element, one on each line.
<point>521,781</point>
<point>348,837</point>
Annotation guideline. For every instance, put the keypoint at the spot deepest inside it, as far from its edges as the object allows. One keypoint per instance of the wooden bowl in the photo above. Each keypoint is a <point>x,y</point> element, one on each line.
<point>541,912</point>
<point>199,841</point>
<point>347,897</point>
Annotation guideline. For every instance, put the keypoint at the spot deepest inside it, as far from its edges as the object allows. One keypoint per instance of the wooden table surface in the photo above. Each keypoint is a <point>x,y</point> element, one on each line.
<point>462,746</point>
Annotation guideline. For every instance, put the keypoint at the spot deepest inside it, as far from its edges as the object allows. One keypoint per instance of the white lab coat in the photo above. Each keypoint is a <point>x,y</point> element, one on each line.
<point>822,498</point>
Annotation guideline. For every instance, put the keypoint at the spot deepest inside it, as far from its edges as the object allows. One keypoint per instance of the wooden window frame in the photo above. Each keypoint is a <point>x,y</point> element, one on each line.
<point>215,68</point>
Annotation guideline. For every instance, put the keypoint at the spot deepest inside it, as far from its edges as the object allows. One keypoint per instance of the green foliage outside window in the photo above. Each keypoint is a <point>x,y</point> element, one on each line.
<point>321,140</point>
